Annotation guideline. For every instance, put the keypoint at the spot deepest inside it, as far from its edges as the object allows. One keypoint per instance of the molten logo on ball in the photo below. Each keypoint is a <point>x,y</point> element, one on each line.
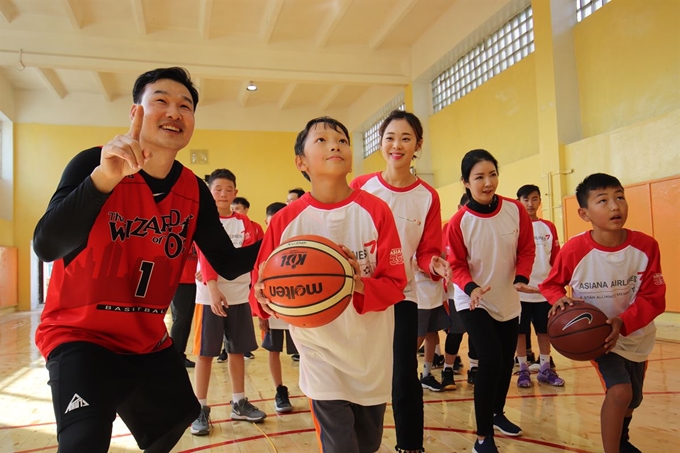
<point>291,292</point>
<point>293,260</point>
<point>578,318</point>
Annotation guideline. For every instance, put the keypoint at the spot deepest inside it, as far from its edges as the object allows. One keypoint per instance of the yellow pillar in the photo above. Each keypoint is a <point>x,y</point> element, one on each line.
<point>557,97</point>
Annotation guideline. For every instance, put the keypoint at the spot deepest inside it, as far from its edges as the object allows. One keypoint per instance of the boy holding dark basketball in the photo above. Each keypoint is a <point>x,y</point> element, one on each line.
<point>348,390</point>
<point>619,271</point>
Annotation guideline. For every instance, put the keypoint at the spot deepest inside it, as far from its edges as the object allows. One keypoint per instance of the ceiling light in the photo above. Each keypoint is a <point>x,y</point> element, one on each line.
<point>251,87</point>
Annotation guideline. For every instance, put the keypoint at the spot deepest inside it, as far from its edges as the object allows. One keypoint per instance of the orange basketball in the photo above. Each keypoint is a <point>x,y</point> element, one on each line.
<point>308,280</point>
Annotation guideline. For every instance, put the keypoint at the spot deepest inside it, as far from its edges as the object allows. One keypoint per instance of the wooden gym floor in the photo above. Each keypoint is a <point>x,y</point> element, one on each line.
<point>553,419</point>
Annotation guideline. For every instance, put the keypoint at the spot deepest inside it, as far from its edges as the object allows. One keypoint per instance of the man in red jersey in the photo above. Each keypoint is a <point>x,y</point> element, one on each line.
<point>119,229</point>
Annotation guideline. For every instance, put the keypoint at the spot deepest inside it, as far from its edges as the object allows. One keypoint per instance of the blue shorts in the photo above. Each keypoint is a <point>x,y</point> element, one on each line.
<point>614,369</point>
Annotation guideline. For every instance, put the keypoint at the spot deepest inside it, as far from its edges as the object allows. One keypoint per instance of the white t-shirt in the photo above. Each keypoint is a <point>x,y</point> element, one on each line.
<point>349,358</point>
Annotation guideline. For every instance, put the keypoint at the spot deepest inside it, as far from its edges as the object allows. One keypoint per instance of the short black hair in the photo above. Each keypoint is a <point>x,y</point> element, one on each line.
<point>221,173</point>
<point>527,190</point>
<point>274,208</point>
<point>327,121</point>
<point>299,191</point>
<point>471,159</point>
<point>179,75</point>
<point>410,118</point>
<point>594,182</point>
<point>242,201</point>
<point>464,199</point>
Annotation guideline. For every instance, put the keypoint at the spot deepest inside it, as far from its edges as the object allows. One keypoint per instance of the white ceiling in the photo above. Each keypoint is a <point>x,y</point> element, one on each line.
<point>314,55</point>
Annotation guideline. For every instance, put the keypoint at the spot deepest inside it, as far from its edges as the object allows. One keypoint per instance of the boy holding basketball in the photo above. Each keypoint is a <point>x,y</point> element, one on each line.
<point>348,392</point>
<point>619,271</point>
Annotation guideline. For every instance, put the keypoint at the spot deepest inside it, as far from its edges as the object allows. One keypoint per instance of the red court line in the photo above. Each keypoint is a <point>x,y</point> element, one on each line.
<point>427,428</point>
<point>430,401</point>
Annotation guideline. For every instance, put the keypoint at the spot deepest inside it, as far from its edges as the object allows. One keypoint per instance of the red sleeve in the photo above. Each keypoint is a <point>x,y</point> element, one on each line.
<point>555,245</point>
<point>359,181</point>
<point>553,287</point>
<point>206,269</point>
<point>650,300</point>
<point>386,286</point>
<point>526,246</point>
<point>431,242</point>
<point>456,251</point>
<point>259,232</point>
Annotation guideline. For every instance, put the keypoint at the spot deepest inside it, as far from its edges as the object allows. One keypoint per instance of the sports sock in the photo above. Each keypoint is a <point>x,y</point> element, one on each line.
<point>545,361</point>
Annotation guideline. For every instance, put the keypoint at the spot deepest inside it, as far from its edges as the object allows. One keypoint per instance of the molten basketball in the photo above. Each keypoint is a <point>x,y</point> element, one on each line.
<point>308,280</point>
<point>579,331</point>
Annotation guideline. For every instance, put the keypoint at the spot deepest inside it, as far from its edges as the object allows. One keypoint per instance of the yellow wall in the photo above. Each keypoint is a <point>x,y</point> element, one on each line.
<point>644,151</point>
<point>499,116</point>
<point>628,63</point>
<point>262,162</point>
<point>6,233</point>
<point>374,163</point>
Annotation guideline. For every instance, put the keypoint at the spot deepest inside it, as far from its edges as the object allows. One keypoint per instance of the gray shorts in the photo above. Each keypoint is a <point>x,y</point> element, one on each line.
<point>273,341</point>
<point>432,320</point>
<point>456,323</point>
<point>344,427</point>
<point>210,329</point>
<point>614,370</point>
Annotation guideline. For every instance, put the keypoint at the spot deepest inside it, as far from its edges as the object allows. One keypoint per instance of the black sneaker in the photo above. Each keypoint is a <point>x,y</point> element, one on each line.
<point>223,356</point>
<point>438,361</point>
<point>421,351</point>
<point>295,357</point>
<point>626,447</point>
<point>488,446</point>
<point>189,363</point>
<point>531,357</point>
<point>282,401</point>
<point>430,382</point>
<point>502,424</point>
<point>249,356</point>
<point>457,365</point>
<point>447,379</point>
<point>552,363</point>
<point>472,373</point>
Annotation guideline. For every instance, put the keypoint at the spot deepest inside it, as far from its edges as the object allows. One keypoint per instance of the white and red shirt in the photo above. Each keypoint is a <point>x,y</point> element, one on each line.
<point>547,247</point>
<point>491,250</point>
<point>349,358</point>
<point>624,281</point>
<point>242,234</point>
<point>417,214</point>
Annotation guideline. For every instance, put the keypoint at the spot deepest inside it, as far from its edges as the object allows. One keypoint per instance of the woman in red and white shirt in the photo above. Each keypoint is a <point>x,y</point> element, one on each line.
<point>490,246</point>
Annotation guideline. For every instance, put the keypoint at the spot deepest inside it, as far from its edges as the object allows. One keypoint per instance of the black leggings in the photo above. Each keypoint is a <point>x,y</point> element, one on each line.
<point>407,393</point>
<point>495,342</point>
<point>94,435</point>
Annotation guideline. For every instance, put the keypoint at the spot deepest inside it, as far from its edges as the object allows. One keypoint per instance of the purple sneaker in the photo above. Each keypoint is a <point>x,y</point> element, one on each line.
<point>524,378</point>
<point>549,376</point>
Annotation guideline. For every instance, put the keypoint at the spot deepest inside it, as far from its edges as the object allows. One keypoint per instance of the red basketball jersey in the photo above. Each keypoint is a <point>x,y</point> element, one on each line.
<point>116,291</point>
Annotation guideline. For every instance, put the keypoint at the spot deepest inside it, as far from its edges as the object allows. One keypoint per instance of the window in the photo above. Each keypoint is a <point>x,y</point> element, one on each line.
<point>371,126</point>
<point>503,48</point>
<point>585,8</point>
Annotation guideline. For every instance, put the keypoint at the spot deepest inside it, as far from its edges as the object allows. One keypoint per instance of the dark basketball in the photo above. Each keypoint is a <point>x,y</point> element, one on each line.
<point>308,280</point>
<point>579,331</point>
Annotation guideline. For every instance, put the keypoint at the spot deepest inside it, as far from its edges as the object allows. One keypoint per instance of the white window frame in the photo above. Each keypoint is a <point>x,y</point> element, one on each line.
<point>370,134</point>
<point>585,8</point>
<point>509,44</point>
